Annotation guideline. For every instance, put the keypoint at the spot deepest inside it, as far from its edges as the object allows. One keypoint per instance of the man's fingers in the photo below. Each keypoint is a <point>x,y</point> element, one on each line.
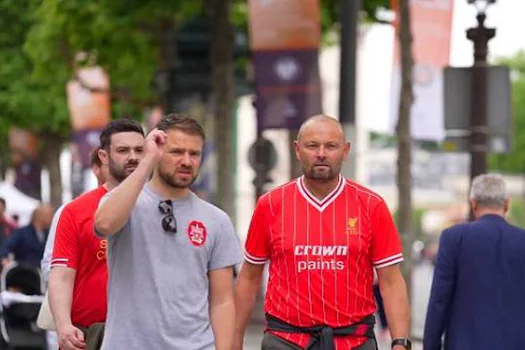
<point>77,340</point>
<point>79,335</point>
<point>160,137</point>
<point>70,345</point>
<point>77,344</point>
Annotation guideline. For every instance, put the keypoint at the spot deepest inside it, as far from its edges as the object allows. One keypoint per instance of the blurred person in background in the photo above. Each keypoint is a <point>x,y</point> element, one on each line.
<point>26,244</point>
<point>477,299</point>
<point>6,226</point>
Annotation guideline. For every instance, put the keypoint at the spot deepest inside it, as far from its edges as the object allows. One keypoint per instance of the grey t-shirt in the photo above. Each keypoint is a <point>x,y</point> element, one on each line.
<point>158,284</point>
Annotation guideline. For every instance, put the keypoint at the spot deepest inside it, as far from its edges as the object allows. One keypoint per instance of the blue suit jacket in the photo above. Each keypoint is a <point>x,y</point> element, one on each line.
<point>478,292</point>
<point>25,246</point>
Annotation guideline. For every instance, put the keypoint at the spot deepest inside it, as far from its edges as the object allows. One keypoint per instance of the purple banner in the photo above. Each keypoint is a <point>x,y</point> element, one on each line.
<point>28,178</point>
<point>85,141</point>
<point>288,87</point>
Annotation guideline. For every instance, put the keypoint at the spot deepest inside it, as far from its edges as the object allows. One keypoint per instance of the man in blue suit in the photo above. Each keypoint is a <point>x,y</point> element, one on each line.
<point>478,294</point>
<point>26,244</point>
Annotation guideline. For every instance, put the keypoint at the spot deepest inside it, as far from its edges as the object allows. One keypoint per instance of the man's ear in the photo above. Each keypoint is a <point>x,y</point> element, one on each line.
<point>506,205</point>
<point>473,205</point>
<point>103,156</point>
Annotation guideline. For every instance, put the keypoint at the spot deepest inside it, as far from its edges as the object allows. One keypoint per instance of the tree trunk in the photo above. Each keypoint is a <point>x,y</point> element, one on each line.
<point>404,160</point>
<point>3,160</point>
<point>223,100</point>
<point>51,161</point>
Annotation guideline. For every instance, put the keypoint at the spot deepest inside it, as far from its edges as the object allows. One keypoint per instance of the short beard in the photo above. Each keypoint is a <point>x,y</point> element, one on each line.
<point>172,181</point>
<point>119,173</point>
<point>316,176</point>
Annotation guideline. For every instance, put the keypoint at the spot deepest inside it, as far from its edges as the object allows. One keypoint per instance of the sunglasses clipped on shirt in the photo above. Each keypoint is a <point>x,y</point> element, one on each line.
<point>169,224</point>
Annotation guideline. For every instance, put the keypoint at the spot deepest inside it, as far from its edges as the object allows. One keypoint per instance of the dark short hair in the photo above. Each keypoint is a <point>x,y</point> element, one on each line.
<point>2,201</point>
<point>179,121</point>
<point>118,126</point>
<point>94,158</point>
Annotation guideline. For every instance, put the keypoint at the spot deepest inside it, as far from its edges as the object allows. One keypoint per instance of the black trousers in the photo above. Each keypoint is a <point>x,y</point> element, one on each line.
<point>272,342</point>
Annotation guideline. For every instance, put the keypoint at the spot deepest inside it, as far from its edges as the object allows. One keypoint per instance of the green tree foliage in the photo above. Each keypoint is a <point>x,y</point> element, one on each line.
<point>514,161</point>
<point>40,39</point>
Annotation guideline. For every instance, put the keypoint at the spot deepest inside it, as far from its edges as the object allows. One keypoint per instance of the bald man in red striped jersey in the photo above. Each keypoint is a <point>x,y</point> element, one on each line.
<point>323,235</point>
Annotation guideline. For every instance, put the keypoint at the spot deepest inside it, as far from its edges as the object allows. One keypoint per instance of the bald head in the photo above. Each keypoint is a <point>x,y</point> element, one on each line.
<point>321,120</point>
<point>42,216</point>
<point>321,148</point>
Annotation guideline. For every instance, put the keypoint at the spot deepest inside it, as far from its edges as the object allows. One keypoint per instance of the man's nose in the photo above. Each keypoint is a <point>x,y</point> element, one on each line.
<point>135,155</point>
<point>321,152</point>
<point>186,159</point>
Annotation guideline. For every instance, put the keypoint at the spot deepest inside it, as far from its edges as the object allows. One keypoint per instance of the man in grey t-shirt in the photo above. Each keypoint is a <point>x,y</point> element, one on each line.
<point>170,254</point>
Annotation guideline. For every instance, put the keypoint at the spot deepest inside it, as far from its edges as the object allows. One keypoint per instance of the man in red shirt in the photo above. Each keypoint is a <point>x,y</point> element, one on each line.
<point>78,279</point>
<point>323,235</point>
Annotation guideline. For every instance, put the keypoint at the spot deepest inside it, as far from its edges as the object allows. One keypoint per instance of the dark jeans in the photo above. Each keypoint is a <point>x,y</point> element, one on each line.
<point>272,342</point>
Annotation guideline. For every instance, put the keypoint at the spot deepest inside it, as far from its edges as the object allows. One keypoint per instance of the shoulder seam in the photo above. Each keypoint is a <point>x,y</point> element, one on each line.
<point>363,190</point>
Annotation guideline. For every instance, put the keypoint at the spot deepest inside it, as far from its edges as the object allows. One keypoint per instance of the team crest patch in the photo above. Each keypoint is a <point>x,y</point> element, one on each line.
<point>351,228</point>
<point>197,233</point>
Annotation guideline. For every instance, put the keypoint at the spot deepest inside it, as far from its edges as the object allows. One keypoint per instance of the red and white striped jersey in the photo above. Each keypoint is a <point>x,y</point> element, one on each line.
<point>322,254</point>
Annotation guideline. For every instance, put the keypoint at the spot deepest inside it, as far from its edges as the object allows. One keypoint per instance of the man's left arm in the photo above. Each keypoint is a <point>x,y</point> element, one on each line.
<point>222,307</point>
<point>395,299</point>
<point>386,254</point>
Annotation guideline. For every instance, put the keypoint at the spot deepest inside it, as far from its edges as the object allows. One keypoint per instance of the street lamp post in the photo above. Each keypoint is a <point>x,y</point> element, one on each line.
<point>480,37</point>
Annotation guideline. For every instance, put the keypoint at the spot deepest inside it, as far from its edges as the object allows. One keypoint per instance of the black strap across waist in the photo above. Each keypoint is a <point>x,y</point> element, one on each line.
<point>322,336</point>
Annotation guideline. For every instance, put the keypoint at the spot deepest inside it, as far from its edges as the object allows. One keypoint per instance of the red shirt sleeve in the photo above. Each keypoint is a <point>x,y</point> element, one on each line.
<point>65,250</point>
<point>386,244</point>
<point>257,247</point>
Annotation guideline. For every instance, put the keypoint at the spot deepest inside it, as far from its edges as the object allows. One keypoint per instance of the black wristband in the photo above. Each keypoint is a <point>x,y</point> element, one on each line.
<point>403,342</point>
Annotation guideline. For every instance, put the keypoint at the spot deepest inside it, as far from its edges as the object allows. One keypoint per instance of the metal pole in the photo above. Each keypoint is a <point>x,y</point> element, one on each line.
<point>480,36</point>
<point>347,84</point>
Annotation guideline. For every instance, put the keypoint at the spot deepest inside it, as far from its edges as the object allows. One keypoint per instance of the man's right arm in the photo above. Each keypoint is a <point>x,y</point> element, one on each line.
<point>61,283</point>
<point>257,251</point>
<point>115,211</point>
<point>248,286</point>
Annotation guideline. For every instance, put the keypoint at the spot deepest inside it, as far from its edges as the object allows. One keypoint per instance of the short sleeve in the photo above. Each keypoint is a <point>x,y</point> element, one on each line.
<point>386,248</point>
<point>97,232</point>
<point>226,250</point>
<point>257,246</point>
<point>65,251</point>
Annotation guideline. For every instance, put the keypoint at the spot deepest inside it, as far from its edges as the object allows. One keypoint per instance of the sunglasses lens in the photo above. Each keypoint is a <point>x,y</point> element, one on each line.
<point>165,207</point>
<point>169,224</point>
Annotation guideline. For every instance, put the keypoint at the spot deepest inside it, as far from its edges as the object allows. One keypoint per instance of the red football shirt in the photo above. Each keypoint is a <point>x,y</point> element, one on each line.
<point>77,247</point>
<point>322,254</point>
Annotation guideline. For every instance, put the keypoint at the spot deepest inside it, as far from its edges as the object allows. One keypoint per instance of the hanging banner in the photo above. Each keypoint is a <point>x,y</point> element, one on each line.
<point>284,38</point>
<point>89,99</point>
<point>89,102</point>
<point>431,23</point>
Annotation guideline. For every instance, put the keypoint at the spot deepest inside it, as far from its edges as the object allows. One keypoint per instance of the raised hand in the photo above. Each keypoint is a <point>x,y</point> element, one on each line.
<point>154,143</point>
